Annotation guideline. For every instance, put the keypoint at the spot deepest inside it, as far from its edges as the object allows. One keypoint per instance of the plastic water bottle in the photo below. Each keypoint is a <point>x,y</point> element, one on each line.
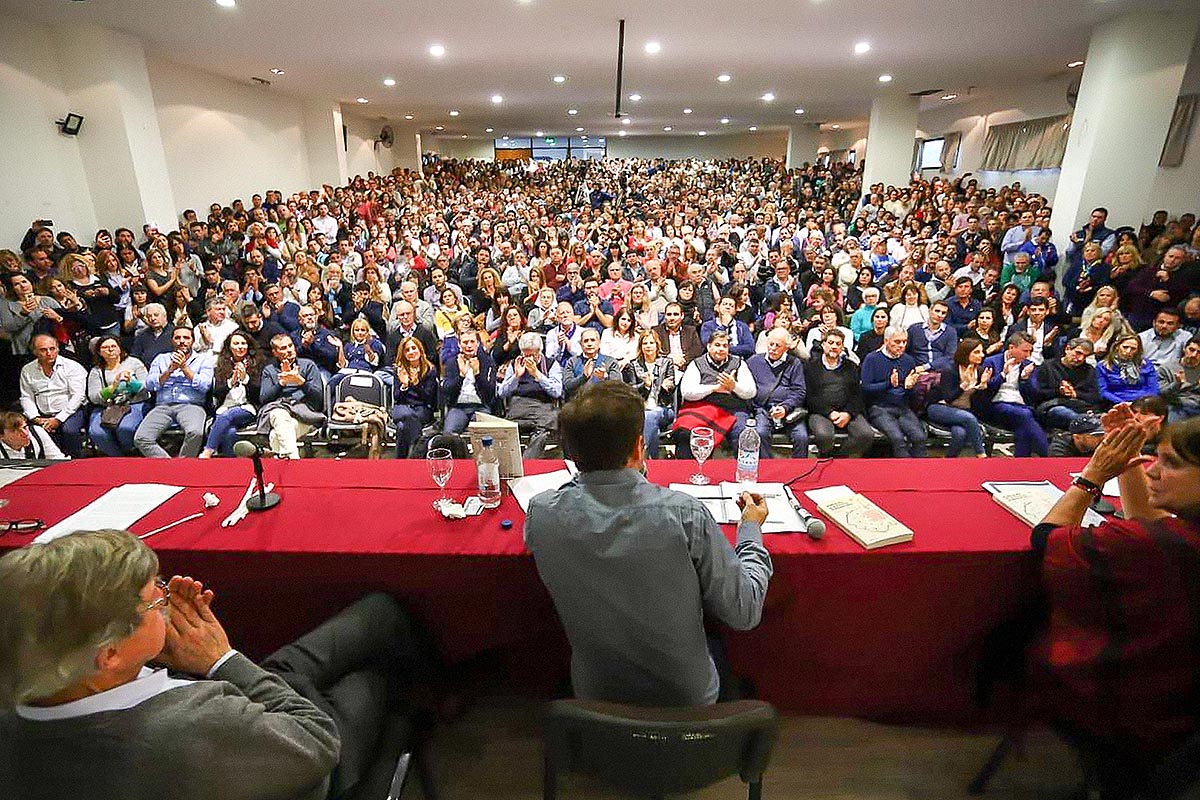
<point>487,468</point>
<point>747,455</point>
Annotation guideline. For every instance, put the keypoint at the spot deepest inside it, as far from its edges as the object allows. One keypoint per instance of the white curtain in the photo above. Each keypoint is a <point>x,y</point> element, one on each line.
<point>1181,128</point>
<point>950,151</point>
<point>1031,144</point>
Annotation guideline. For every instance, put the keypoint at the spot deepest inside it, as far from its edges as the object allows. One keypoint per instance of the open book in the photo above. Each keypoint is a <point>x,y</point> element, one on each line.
<point>865,522</point>
<point>1031,501</point>
<point>721,501</point>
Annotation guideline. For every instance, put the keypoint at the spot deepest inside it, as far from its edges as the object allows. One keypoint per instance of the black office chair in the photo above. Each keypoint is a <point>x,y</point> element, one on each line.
<point>650,752</point>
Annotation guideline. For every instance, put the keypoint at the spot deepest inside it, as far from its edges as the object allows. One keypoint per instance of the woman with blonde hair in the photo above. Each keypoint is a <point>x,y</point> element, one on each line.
<point>415,390</point>
<point>1125,374</point>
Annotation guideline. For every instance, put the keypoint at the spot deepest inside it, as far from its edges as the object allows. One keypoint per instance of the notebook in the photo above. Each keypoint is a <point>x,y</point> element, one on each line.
<point>862,520</point>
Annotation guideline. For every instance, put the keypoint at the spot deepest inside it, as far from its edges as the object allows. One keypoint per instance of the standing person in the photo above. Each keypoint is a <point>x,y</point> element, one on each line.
<point>598,540</point>
<point>116,380</point>
<point>54,394</point>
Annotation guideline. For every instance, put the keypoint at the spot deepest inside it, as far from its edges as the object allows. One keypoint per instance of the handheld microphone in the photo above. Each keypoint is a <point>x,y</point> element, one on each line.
<point>814,527</point>
<point>264,499</point>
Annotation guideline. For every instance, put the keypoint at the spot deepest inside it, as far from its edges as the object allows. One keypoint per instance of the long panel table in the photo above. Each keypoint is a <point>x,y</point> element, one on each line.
<point>891,634</point>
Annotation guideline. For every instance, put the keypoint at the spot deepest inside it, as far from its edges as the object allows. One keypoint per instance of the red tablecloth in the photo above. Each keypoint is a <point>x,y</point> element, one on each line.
<point>888,634</point>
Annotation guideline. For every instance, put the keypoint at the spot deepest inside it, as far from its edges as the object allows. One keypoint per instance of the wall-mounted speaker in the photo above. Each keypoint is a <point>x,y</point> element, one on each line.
<point>70,125</point>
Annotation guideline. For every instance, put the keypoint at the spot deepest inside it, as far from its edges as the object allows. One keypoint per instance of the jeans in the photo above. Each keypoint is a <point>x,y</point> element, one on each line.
<point>119,442</point>
<point>859,436</point>
<point>409,422</point>
<point>223,433</point>
<point>964,428</point>
<point>797,433</point>
<point>656,420</point>
<point>69,436</point>
<point>1031,439</point>
<point>1061,417</point>
<point>902,428</point>
<point>459,417</point>
<point>191,418</point>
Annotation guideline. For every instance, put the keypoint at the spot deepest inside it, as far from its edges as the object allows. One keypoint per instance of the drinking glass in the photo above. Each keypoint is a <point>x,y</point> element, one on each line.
<point>441,467</point>
<point>702,447</point>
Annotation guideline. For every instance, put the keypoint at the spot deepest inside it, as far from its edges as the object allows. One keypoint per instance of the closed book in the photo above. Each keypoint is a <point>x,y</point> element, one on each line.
<point>862,520</point>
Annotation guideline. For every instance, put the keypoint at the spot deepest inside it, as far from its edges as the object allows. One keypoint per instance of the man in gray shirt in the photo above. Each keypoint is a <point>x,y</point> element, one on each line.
<point>633,567</point>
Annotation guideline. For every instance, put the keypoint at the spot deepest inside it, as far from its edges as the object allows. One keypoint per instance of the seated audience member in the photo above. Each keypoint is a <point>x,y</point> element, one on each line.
<point>1065,388</point>
<point>405,324</point>
<point>653,375</point>
<point>423,310</point>
<point>361,352</point>
<point>963,305</point>
<point>1179,382</point>
<point>593,311</point>
<point>984,329</point>
<point>829,318</point>
<point>741,340</point>
<point>237,379</point>
<point>1125,374</point>
<point>716,390</point>
<point>621,341</point>
<point>468,383</point>
<point>676,340</point>
<point>872,339</point>
<point>180,382</point>
<point>261,330</point>
<point>590,366</point>
<point>1080,439</point>
<point>835,400</point>
<point>1040,330</point>
<point>292,394</point>
<point>19,441</point>
<point>54,394</point>
<point>933,343</point>
<point>507,343</point>
<point>562,340</point>
<point>633,567</point>
<point>779,378</point>
<point>277,309</point>
<point>950,402</point>
<point>1009,399</point>
<point>860,320</point>
<point>532,389</point>
<point>910,310</point>
<point>363,307</point>
<point>116,381</point>
<point>1120,653</point>
<point>314,342</point>
<point>84,618</point>
<point>1164,341</point>
<point>209,334</point>
<point>888,377</point>
<point>22,312</point>
<point>415,388</point>
<point>156,338</point>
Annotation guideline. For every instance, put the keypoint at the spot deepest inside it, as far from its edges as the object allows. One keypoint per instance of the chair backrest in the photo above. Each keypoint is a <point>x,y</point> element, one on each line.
<point>654,751</point>
<point>365,387</point>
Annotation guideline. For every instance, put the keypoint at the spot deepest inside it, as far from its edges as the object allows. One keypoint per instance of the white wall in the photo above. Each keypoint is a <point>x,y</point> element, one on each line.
<point>764,143</point>
<point>225,140</point>
<point>479,149</point>
<point>1177,189</point>
<point>362,155</point>
<point>42,170</point>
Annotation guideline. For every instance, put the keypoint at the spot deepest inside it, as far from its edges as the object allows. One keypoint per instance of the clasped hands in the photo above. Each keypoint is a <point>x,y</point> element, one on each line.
<point>1121,448</point>
<point>195,638</point>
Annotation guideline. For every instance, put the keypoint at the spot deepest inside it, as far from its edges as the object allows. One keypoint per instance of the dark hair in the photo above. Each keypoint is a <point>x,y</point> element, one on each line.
<point>1184,438</point>
<point>1170,311</point>
<point>224,366</point>
<point>99,340</point>
<point>600,426</point>
<point>1150,404</point>
<point>965,348</point>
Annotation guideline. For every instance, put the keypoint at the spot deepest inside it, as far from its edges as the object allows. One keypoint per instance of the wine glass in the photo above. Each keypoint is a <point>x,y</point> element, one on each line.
<point>702,447</point>
<point>441,467</point>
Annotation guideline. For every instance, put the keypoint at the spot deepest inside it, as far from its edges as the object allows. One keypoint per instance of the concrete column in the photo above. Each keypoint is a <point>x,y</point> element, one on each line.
<point>890,136</point>
<point>802,145</point>
<point>1135,65</point>
<point>406,152</point>
<point>323,138</point>
<point>106,80</point>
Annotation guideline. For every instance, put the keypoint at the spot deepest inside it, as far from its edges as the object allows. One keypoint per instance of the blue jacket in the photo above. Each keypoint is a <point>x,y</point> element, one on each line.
<point>745,339</point>
<point>1113,389</point>
<point>960,317</point>
<point>877,378</point>
<point>777,386</point>
<point>1025,385</point>
<point>485,381</point>
<point>939,353</point>
<point>320,352</point>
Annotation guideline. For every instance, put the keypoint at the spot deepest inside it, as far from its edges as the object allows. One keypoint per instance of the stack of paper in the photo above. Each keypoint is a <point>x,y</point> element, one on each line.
<point>721,501</point>
<point>865,522</point>
<point>1031,501</point>
<point>526,488</point>
<point>118,508</point>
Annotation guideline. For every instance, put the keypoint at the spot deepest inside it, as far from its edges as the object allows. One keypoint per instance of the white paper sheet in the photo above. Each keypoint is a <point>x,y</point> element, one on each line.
<point>10,475</point>
<point>721,501</point>
<point>526,488</point>
<point>118,508</point>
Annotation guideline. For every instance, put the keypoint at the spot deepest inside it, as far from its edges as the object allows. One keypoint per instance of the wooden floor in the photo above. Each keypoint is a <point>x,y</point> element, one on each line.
<point>494,751</point>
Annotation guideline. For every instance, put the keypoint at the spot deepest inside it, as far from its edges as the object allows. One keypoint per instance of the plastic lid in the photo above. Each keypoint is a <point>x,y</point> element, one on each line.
<point>751,422</point>
<point>487,441</point>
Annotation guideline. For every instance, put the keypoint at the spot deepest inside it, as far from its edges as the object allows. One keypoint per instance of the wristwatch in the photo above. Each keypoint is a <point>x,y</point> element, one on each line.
<point>1089,487</point>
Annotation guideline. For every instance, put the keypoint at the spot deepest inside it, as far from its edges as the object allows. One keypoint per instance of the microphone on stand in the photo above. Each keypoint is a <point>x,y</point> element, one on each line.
<point>814,527</point>
<point>264,499</point>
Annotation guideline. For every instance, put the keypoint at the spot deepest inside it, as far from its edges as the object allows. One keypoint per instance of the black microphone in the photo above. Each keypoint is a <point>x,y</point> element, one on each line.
<point>264,499</point>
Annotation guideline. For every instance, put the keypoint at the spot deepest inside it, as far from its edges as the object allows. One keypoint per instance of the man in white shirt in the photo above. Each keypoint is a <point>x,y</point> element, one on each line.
<point>1164,342</point>
<point>324,223</point>
<point>1018,236</point>
<point>53,393</point>
<point>210,333</point>
<point>716,379</point>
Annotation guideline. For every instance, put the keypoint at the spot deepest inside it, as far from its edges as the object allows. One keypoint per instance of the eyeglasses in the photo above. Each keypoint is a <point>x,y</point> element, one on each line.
<point>161,602</point>
<point>20,525</point>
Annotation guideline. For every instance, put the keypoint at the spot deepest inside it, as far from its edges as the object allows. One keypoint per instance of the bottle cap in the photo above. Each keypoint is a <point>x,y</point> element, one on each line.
<point>506,524</point>
<point>487,441</point>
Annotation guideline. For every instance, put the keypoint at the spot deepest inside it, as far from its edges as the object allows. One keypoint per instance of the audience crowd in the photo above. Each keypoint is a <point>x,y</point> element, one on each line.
<point>723,291</point>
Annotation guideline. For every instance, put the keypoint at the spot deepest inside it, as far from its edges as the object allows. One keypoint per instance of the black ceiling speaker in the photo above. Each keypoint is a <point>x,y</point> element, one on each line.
<point>70,124</point>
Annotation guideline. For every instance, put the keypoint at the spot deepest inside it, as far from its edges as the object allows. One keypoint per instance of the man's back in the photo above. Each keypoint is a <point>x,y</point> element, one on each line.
<point>632,567</point>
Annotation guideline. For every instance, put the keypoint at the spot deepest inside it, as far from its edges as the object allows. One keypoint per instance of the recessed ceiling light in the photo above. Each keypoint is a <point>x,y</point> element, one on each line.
<point>862,47</point>
<point>768,97</point>
<point>885,78</point>
<point>798,111</point>
<point>463,136</point>
<point>724,120</point>
<point>584,138</point>
<point>1075,64</point>
<point>362,100</point>
<point>724,78</point>
<point>635,97</point>
<point>389,81</point>
<point>227,3</point>
<point>702,133</point>
<point>454,113</point>
<point>601,140</point>
<point>540,133</point>
<point>835,126</point>
<point>950,96</point>
<point>276,71</point>
<point>620,133</point>
<point>408,116</point>
<point>626,121</point>
<point>559,79</point>
<point>667,128</point>
<point>504,137</point>
<point>652,48</point>
<point>497,99</point>
<point>579,130</point>
<point>572,111</point>
<point>440,128</point>
<point>437,50</point>
<point>687,111</point>
<point>488,130</point>
<point>753,128</point>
